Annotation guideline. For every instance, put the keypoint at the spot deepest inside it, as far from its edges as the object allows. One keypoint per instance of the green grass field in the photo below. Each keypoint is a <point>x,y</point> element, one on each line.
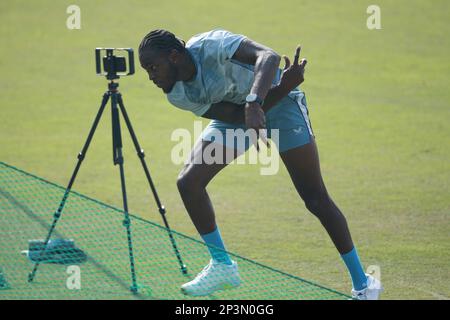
<point>379,104</point>
<point>97,229</point>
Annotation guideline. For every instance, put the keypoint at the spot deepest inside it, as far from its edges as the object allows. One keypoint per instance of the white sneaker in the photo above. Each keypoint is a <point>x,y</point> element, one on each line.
<point>372,292</point>
<point>215,276</point>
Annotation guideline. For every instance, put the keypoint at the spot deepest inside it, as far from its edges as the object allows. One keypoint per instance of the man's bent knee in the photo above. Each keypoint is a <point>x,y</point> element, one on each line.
<point>188,184</point>
<point>317,202</point>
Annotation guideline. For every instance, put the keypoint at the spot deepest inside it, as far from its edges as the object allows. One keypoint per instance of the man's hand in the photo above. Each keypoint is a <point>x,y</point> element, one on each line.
<point>256,119</point>
<point>293,75</point>
<point>254,116</point>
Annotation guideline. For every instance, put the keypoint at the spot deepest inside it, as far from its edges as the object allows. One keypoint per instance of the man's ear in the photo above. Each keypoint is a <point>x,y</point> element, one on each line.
<point>174,56</point>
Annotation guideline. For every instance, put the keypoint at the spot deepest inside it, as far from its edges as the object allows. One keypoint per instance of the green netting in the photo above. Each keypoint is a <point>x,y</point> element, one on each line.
<point>27,205</point>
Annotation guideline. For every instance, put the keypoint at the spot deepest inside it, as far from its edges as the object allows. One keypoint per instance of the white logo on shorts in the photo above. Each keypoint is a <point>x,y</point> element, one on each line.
<point>298,131</point>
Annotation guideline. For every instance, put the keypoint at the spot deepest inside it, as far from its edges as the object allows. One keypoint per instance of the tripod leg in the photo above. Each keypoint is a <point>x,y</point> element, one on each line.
<point>81,156</point>
<point>118,159</point>
<point>161,208</point>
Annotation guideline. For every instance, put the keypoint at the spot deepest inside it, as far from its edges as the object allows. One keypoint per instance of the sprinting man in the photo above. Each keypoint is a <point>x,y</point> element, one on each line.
<point>237,83</point>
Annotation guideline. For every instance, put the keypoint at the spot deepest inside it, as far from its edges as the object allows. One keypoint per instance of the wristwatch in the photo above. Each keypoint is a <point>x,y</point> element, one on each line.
<point>252,97</point>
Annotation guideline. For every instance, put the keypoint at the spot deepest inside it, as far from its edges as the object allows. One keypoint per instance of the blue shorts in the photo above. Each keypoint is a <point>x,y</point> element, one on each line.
<point>289,117</point>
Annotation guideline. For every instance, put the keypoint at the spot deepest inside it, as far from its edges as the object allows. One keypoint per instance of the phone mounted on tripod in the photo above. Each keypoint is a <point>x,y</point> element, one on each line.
<point>114,66</point>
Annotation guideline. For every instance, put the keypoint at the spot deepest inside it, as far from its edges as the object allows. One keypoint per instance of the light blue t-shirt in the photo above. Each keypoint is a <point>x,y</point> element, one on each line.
<point>219,78</point>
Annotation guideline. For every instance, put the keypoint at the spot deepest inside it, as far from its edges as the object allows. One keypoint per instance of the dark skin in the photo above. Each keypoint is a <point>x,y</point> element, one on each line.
<point>164,69</point>
<point>302,162</point>
<point>292,76</point>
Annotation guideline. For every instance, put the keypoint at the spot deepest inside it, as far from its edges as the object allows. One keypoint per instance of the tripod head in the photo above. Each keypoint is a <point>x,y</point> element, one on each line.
<point>114,66</point>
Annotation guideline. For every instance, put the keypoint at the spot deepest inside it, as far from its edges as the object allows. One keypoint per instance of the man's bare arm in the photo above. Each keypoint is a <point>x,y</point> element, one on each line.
<point>265,62</point>
<point>235,113</point>
<point>227,112</point>
<point>292,76</point>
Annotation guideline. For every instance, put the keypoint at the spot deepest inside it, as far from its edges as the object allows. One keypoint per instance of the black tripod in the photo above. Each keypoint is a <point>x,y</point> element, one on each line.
<point>116,100</point>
